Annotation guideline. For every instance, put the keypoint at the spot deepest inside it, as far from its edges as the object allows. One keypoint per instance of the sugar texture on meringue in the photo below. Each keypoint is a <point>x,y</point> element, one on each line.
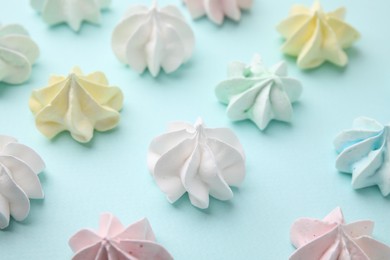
<point>257,93</point>
<point>217,10</point>
<point>70,12</point>
<point>154,38</point>
<point>331,238</point>
<point>198,160</point>
<point>315,36</point>
<point>113,241</point>
<point>18,53</point>
<point>363,151</point>
<point>76,103</point>
<point>19,182</point>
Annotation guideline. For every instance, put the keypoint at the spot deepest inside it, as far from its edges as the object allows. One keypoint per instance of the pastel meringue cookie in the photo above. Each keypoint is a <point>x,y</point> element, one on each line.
<point>259,94</point>
<point>199,160</point>
<point>76,103</point>
<point>153,38</point>
<point>216,10</point>
<point>364,152</point>
<point>19,182</point>
<point>113,241</point>
<point>331,238</point>
<point>18,52</point>
<point>315,36</point>
<point>72,12</point>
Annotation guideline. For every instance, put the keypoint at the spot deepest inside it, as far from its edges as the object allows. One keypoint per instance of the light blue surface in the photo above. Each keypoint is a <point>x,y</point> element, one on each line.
<point>290,168</point>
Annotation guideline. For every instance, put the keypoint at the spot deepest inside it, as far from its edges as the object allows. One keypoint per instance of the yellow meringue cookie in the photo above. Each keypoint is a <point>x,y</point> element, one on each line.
<point>315,36</point>
<point>77,103</point>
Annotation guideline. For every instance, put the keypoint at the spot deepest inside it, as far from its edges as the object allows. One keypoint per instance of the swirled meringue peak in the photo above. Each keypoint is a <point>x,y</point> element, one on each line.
<point>18,52</point>
<point>315,36</point>
<point>331,238</point>
<point>257,93</point>
<point>364,152</point>
<point>198,160</point>
<point>77,103</point>
<point>72,12</point>
<point>113,242</point>
<point>216,10</point>
<point>19,182</point>
<point>153,38</point>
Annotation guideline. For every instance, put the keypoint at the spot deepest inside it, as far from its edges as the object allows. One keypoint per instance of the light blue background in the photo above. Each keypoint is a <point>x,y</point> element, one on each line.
<point>290,168</point>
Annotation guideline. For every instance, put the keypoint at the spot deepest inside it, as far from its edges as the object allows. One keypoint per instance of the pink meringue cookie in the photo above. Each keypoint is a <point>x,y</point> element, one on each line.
<point>216,10</point>
<point>113,242</point>
<point>331,238</point>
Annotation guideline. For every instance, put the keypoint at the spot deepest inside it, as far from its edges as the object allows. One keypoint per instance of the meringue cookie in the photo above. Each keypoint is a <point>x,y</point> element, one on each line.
<point>217,9</point>
<point>19,167</point>
<point>197,160</point>
<point>113,241</point>
<point>331,238</point>
<point>259,94</point>
<point>364,152</point>
<point>153,38</point>
<point>70,11</point>
<point>18,52</point>
<point>76,103</point>
<point>315,36</point>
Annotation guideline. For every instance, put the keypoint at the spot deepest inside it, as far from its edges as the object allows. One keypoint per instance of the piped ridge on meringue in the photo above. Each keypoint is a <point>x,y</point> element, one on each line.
<point>315,36</point>
<point>153,38</point>
<point>216,10</point>
<point>331,238</point>
<point>199,160</point>
<point>257,93</point>
<point>77,103</point>
<point>19,182</point>
<point>69,11</point>
<point>18,52</point>
<point>364,152</point>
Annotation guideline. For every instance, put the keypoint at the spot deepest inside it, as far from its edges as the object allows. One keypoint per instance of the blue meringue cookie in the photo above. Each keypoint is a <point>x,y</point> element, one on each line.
<point>364,152</point>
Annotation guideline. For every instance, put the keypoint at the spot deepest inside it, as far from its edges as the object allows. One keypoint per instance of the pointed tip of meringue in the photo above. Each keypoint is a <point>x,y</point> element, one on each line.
<point>316,5</point>
<point>76,70</point>
<point>199,122</point>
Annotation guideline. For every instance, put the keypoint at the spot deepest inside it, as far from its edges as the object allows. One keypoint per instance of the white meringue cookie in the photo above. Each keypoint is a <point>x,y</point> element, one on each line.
<point>198,160</point>
<point>77,103</point>
<point>256,93</point>
<point>19,166</point>
<point>18,52</point>
<point>72,12</point>
<point>364,152</point>
<point>153,38</point>
<point>217,9</point>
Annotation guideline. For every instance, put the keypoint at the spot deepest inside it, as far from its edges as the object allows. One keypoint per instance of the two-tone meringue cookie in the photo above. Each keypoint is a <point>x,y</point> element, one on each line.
<point>113,242</point>
<point>70,11</point>
<point>153,38</point>
<point>257,93</point>
<point>18,52</point>
<point>198,160</point>
<point>77,103</point>
<point>19,182</point>
<point>364,152</point>
<point>315,36</point>
<point>331,238</point>
<point>216,10</point>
